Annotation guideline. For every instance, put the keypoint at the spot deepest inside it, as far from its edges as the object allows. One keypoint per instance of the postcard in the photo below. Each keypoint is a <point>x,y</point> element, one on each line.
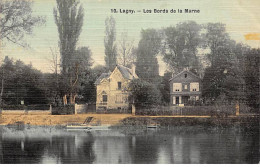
<point>129,82</point>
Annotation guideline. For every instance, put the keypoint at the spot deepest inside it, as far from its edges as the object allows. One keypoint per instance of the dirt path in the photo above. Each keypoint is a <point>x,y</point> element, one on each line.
<point>104,119</point>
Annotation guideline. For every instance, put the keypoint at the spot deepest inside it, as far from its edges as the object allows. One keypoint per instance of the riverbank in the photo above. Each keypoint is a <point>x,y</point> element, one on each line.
<point>104,119</point>
<point>129,120</point>
<point>250,121</point>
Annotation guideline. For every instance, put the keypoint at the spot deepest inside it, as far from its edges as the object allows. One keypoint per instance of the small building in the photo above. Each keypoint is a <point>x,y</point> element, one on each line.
<point>185,87</point>
<point>112,88</point>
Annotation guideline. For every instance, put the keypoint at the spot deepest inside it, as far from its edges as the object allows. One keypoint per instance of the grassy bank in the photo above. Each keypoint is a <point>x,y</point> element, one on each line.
<point>129,120</point>
<point>245,121</point>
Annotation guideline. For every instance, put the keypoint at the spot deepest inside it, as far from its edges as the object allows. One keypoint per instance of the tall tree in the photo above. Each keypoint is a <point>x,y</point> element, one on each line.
<point>110,45</point>
<point>215,37</point>
<point>69,20</point>
<point>82,63</point>
<point>180,46</point>
<point>149,46</point>
<point>225,76</point>
<point>17,20</point>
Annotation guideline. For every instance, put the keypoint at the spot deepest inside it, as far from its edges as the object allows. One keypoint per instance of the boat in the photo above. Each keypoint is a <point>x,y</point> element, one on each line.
<point>82,126</point>
<point>152,126</point>
<point>86,126</point>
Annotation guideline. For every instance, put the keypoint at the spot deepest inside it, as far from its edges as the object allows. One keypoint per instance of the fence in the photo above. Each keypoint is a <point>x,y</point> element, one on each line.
<point>188,110</point>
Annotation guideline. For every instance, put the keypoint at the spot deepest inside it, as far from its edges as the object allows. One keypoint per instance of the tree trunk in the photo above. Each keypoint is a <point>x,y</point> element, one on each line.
<point>72,101</point>
<point>65,99</point>
<point>2,91</point>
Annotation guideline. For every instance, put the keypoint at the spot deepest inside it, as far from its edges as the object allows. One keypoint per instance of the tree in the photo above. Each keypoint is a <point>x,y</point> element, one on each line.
<point>224,77</point>
<point>110,45</point>
<point>17,20</point>
<point>144,93</point>
<point>88,91</point>
<point>69,20</point>
<point>147,67</point>
<point>126,51</point>
<point>80,67</point>
<point>22,82</point>
<point>180,46</point>
<point>252,78</point>
<point>215,37</point>
<point>165,87</point>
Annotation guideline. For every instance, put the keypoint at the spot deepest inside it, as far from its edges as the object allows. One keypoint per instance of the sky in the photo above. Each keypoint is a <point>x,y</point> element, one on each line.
<point>240,16</point>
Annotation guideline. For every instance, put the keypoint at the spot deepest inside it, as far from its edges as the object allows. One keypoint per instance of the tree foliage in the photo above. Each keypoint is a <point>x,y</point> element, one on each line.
<point>225,76</point>
<point>110,45</point>
<point>180,46</point>
<point>17,20</point>
<point>69,19</point>
<point>144,93</point>
<point>216,37</point>
<point>22,82</point>
<point>252,78</point>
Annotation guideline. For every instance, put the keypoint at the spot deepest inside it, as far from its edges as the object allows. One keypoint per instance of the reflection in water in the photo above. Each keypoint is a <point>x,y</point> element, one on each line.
<point>50,145</point>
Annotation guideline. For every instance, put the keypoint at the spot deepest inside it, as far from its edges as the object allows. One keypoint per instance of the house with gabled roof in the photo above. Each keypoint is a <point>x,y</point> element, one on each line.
<point>184,87</point>
<point>112,88</point>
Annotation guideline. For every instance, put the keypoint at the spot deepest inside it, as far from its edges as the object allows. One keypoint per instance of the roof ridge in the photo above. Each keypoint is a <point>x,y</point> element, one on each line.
<point>183,72</point>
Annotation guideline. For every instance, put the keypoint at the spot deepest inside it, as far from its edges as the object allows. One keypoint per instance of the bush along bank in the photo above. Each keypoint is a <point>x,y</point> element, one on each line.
<point>247,122</point>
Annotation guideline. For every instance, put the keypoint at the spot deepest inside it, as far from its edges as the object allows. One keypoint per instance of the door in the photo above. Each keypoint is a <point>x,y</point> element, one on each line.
<point>177,100</point>
<point>185,99</point>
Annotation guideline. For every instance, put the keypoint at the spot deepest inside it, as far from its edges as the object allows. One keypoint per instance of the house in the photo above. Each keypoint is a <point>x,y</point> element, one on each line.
<point>112,88</point>
<point>185,87</point>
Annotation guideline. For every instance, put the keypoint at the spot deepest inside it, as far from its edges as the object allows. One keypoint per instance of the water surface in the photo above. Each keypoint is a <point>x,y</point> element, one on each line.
<point>177,145</point>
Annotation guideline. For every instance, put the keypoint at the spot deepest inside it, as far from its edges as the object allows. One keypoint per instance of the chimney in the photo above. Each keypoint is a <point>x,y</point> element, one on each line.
<point>133,70</point>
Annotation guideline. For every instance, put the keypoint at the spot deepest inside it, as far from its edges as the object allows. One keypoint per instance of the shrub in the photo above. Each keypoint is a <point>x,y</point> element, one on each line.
<point>143,93</point>
<point>63,110</point>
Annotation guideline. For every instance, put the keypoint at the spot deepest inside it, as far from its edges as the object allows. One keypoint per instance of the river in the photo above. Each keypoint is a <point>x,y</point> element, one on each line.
<point>179,145</point>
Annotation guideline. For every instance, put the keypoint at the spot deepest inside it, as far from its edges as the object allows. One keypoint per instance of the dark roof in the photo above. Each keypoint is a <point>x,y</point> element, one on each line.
<point>126,72</point>
<point>102,76</point>
<point>183,72</point>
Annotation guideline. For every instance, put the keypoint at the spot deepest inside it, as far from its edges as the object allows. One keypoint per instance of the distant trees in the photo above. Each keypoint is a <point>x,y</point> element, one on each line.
<point>110,45</point>
<point>22,82</point>
<point>147,67</point>
<point>17,20</point>
<point>69,19</point>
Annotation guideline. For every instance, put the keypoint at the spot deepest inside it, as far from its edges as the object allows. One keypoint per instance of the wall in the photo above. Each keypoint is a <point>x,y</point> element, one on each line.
<point>110,86</point>
<point>23,112</point>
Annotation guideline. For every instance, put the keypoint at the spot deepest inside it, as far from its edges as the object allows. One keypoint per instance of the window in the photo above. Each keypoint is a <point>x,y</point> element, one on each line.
<point>177,87</point>
<point>119,85</point>
<point>119,99</point>
<point>104,98</point>
<point>185,75</point>
<point>194,86</point>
